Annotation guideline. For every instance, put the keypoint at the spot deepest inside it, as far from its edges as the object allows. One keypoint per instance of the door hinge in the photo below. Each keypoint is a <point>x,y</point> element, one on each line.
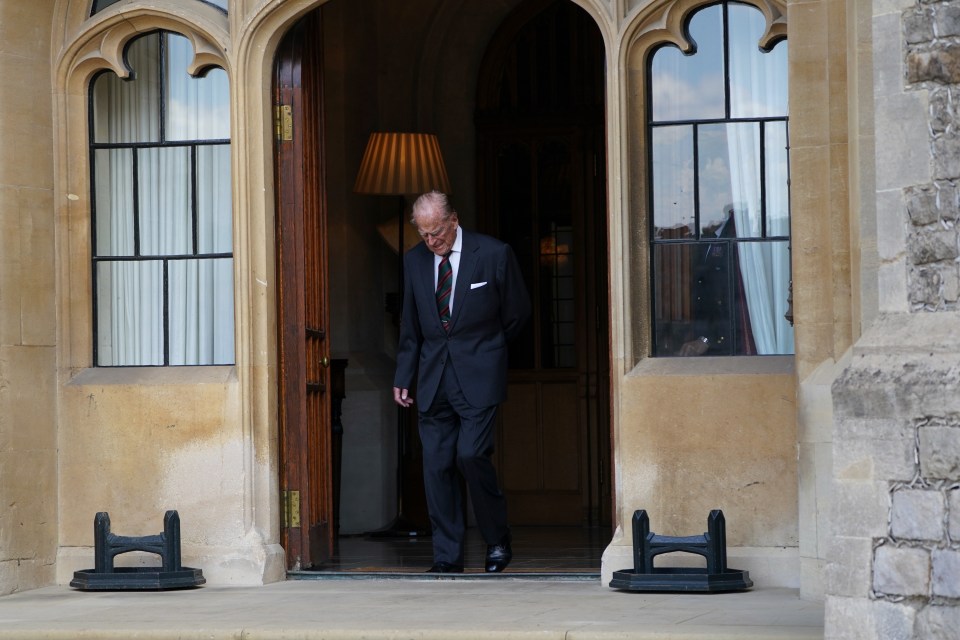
<point>283,122</point>
<point>291,508</point>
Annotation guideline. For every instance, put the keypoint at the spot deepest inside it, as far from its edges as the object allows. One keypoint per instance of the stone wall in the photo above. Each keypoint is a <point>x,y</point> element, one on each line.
<point>896,522</point>
<point>896,553</point>
<point>931,32</point>
<point>28,446</point>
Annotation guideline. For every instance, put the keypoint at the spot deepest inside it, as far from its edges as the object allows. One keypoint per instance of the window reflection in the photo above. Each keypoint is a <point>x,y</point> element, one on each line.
<point>196,108</point>
<point>673,179</point>
<point>758,79</point>
<point>777,179</point>
<point>691,87</point>
<point>720,189</point>
<point>729,172</point>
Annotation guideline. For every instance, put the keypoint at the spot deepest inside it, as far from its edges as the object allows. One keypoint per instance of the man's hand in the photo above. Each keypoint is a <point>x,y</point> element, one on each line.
<point>402,397</point>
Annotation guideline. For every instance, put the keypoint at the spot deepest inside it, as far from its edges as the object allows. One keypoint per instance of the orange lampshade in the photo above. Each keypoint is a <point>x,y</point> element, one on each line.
<point>400,164</point>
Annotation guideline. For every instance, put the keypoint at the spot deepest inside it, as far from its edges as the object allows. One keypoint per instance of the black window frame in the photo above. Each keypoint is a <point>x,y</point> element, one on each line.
<point>699,242</point>
<point>138,256</point>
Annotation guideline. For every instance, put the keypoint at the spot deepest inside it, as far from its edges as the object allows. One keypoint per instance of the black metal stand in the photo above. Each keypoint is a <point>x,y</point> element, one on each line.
<point>712,545</point>
<point>105,577</point>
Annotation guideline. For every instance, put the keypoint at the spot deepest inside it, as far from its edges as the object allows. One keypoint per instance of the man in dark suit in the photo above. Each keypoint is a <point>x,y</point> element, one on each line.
<point>463,300</point>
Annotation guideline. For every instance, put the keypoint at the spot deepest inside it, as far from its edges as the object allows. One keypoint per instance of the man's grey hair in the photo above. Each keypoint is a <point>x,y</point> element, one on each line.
<point>433,201</point>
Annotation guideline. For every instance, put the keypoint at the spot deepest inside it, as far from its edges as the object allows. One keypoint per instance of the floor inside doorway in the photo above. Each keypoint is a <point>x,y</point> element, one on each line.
<point>537,551</point>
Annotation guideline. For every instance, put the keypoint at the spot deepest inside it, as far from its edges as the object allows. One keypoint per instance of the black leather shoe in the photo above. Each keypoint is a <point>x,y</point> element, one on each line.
<point>499,555</point>
<point>445,567</point>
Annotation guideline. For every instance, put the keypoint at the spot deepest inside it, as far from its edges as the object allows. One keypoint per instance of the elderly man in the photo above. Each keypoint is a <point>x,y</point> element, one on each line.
<point>463,300</point>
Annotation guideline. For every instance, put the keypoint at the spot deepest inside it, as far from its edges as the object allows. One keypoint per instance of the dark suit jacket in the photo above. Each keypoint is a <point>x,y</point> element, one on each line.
<point>485,317</point>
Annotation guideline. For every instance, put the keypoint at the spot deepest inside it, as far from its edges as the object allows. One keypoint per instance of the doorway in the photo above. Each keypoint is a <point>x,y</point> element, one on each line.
<point>557,413</point>
<point>541,180</point>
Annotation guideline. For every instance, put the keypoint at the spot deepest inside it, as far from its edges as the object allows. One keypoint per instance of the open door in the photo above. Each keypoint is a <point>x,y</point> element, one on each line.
<point>541,188</point>
<point>306,438</point>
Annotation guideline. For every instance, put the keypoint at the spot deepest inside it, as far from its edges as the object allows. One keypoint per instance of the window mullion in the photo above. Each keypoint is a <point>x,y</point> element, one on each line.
<point>136,202</point>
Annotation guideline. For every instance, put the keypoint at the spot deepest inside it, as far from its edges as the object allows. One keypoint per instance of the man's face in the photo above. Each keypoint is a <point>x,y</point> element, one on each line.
<point>438,234</point>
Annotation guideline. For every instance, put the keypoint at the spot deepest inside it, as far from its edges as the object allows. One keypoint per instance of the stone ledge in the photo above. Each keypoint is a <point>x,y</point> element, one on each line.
<point>911,333</point>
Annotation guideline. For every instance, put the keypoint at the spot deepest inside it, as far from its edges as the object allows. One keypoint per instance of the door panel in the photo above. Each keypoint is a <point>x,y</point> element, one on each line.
<point>304,376</point>
<point>540,461</point>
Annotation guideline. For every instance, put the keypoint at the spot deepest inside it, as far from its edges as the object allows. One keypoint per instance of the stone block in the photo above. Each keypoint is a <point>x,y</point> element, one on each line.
<point>932,246</point>
<point>948,198</point>
<point>950,277</point>
<point>860,509</point>
<point>904,157</point>
<point>862,619</point>
<point>940,452</point>
<point>892,287</point>
<point>901,385</point>
<point>888,61</point>
<point>946,156</point>
<point>941,64</point>
<point>935,622</point>
<point>917,514</point>
<point>878,428</point>
<point>918,25</point>
<point>875,459</point>
<point>921,201</point>
<point>946,20</point>
<point>953,520</point>
<point>946,573</point>
<point>847,572</point>
<point>924,287</point>
<point>891,222</point>
<point>901,571</point>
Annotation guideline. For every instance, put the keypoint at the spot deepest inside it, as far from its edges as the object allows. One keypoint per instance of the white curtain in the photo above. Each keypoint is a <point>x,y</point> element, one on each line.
<point>758,88</point>
<point>130,293</point>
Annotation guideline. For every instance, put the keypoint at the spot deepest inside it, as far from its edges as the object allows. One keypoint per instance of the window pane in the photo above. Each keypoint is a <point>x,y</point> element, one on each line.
<point>129,110</point>
<point>100,5</point>
<point>777,178</point>
<point>183,201</point>
<point>673,188</point>
<point>691,87</point>
<point>114,202</point>
<point>765,281</point>
<point>758,80</point>
<point>214,206</point>
<point>558,312</point>
<point>724,291</point>
<point>692,299</point>
<point>164,197</point>
<point>197,108</point>
<point>556,202</point>
<point>729,171</point>
<point>129,313</point>
<point>201,312</point>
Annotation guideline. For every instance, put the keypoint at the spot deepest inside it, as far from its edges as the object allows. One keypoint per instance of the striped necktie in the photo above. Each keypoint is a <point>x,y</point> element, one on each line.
<point>444,285</point>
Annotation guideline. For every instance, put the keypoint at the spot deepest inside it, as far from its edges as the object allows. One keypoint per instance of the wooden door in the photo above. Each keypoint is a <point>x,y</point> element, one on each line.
<point>541,187</point>
<point>308,529</point>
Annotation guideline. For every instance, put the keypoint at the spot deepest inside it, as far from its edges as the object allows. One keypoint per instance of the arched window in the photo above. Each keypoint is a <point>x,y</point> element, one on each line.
<point>717,134</point>
<point>162,243</point>
<point>100,5</point>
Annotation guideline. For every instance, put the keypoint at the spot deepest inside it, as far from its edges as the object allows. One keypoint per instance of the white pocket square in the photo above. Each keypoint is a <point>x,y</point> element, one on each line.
<point>477,285</point>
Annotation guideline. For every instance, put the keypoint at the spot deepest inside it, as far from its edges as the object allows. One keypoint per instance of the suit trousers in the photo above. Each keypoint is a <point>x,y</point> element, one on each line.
<point>456,435</point>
